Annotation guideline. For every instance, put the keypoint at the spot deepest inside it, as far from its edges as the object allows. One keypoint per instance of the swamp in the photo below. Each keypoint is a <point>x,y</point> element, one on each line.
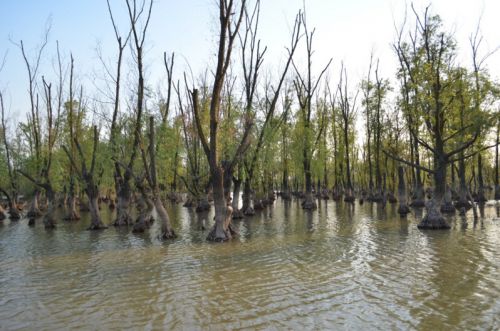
<point>227,180</point>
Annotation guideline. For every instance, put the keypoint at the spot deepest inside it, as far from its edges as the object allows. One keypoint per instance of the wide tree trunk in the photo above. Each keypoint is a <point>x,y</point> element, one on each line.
<point>433,218</point>
<point>72,213</point>
<point>34,210</point>
<point>463,200</point>
<point>48,219</point>
<point>145,218</point>
<point>447,206</point>
<point>123,198</point>
<point>95,215</point>
<point>222,229</point>
<point>14,213</point>
<point>309,202</point>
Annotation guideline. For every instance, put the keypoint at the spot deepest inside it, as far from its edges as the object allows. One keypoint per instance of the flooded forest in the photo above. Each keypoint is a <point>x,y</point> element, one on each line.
<point>258,193</point>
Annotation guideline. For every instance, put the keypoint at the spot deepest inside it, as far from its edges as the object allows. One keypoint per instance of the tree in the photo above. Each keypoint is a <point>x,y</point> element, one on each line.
<point>305,88</point>
<point>434,55</point>
<point>347,106</point>
<point>89,178</point>
<point>229,28</point>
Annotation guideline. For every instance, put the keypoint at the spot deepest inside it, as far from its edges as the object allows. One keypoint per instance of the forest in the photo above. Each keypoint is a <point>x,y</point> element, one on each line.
<point>241,134</point>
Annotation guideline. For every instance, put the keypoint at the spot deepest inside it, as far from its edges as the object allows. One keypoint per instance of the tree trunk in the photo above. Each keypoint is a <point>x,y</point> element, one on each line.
<point>72,213</point>
<point>123,196</point>
<point>34,210</point>
<point>3,215</point>
<point>463,200</point>
<point>497,181</point>
<point>309,202</point>
<point>167,231</point>
<point>433,219</point>
<point>248,209</point>
<point>48,219</point>
<point>95,215</point>
<point>447,206</point>
<point>203,204</point>
<point>14,213</point>
<point>481,198</point>
<point>237,212</point>
<point>418,197</point>
<point>222,230</point>
<point>403,208</point>
<point>145,219</point>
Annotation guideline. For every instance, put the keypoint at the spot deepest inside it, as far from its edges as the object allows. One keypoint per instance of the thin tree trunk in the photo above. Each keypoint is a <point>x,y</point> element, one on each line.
<point>403,208</point>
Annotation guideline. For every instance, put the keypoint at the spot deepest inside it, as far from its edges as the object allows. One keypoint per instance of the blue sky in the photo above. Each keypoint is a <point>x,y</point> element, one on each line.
<point>346,31</point>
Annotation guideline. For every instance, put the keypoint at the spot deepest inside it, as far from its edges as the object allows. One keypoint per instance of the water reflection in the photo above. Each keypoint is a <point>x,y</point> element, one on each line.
<point>346,266</point>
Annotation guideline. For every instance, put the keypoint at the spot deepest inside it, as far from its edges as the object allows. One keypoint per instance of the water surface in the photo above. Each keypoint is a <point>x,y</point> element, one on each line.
<point>340,267</point>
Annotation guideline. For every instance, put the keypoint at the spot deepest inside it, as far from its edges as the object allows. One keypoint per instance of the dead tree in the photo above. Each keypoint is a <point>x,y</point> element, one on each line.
<point>347,107</point>
<point>272,98</point>
<point>122,186</point>
<point>72,212</point>
<point>305,87</point>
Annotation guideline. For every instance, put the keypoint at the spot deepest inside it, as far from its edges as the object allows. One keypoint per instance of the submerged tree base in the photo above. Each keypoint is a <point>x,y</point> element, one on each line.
<point>349,198</point>
<point>34,213</point>
<point>166,235</point>
<point>203,205</point>
<point>238,214</point>
<point>391,198</point>
<point>433,223</point>
<point>309,205</point>
<point>403,210</point>
<point>417,203</point>
<point>49,223</point>
<point>96,227</point>
<point>448,208</point>
<point>228,234</point>
<point>249,211</point>
<point>123,220</point>
<point>14,214</point>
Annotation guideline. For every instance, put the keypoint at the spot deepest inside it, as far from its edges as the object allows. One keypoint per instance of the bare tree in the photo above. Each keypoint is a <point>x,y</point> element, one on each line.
<point>305,87</point>
<point>347,105</point>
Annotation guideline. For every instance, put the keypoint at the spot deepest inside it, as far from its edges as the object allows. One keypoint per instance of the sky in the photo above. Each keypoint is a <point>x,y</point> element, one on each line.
<point>346,31</point>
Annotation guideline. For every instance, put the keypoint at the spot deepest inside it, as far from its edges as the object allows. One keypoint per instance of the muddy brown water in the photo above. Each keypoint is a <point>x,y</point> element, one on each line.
<point>341,267</point>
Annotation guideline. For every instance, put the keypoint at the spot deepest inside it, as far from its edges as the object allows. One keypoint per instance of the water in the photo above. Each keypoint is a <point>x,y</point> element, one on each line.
<point>340,267</point>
